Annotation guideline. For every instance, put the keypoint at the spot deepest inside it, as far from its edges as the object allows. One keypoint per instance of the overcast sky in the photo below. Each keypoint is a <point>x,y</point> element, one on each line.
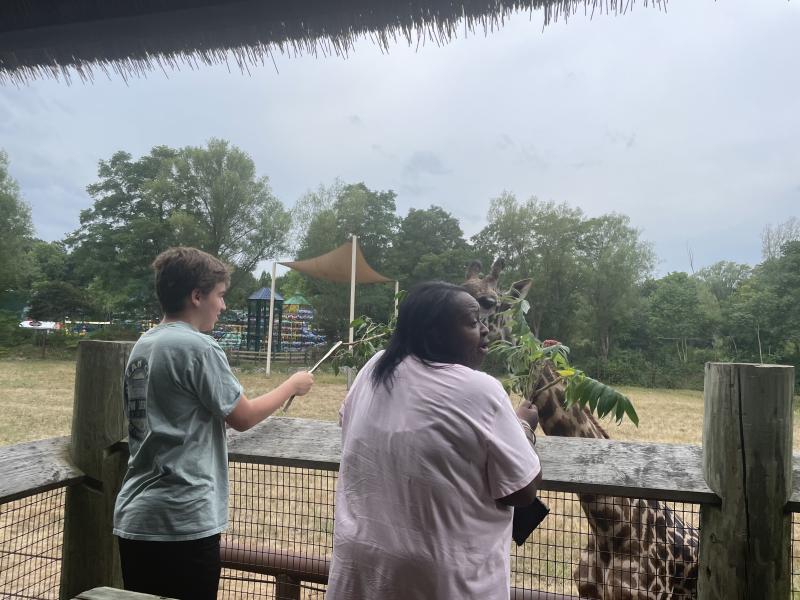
<point>685,120</point>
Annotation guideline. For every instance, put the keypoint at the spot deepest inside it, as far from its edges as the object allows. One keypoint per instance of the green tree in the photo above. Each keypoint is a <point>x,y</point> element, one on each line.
<point>49,262</point>
<point>205,197</point>
<point>307,207</point>
<point>682,312</point>
<point>774,237</point>
<point>723,277</point>
<point>540,240</point>
<point>370,215</point>
<point>236,216</point>
<point>762,317</point>
<point>56,300</point>
<point>614,261</point>
<point>137,213</point>
<point>16,231</point>
<point>429,245</point>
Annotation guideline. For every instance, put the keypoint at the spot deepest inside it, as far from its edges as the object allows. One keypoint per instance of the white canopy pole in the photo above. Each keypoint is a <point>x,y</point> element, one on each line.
<point>396,291</point>
<point>353,289</point>
<point>271,309</point>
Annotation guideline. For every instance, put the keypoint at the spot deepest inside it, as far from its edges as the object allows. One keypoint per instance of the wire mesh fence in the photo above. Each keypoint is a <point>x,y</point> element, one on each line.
<point>284,515</point>
<point>563,554</point>
<point>282,519</point>
<point>795,556</point>
<point>31,533</point>
<point>279,517</point>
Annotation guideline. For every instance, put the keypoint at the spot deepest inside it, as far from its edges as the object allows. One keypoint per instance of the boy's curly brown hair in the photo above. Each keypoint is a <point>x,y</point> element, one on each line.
<point>181,270</point>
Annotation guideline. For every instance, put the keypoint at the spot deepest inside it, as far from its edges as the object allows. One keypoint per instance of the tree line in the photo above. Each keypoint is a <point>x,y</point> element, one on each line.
<point>593,282</point>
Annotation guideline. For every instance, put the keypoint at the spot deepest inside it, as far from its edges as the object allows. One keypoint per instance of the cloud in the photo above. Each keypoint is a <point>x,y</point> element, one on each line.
<point>424,163</point>
<point>677,137</point>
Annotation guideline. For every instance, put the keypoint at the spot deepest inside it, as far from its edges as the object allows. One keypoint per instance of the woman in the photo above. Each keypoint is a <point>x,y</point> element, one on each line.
<point>433,460</point>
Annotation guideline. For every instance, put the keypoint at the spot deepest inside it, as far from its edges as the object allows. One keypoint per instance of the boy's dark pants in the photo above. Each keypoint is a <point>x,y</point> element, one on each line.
<point>183,570</point>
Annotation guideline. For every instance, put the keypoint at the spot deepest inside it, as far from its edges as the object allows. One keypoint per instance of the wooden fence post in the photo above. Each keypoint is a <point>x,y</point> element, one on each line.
<point>747,462</point>
<point>90,555</point>
<point>287,587</point>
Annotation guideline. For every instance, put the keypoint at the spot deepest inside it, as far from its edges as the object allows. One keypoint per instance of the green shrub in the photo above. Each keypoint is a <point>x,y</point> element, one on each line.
<point>11,334</point>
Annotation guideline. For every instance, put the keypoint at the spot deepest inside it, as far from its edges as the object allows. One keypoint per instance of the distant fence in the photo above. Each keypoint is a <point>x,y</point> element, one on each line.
<point>56,496</point>
<point>305,357</point>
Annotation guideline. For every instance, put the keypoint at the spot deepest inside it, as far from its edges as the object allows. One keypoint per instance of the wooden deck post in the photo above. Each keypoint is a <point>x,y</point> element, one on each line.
<point>90,555</point>
<point>287,587</point>
<point>747,462</point>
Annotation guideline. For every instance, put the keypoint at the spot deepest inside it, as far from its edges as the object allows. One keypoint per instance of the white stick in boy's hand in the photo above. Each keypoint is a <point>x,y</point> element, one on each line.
<point>311,370</point>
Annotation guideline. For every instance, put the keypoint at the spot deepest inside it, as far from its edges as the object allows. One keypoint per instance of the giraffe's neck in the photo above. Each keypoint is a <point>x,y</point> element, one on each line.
<point>556,420</point>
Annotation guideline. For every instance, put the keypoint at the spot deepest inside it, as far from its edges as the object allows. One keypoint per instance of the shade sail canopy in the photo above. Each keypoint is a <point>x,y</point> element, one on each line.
<point>40,38</point>
<point>335,266</point>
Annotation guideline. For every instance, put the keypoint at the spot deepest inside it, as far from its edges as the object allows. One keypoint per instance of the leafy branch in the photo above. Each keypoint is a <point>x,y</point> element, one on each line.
<point>527,359</point>
<point>369,337</point>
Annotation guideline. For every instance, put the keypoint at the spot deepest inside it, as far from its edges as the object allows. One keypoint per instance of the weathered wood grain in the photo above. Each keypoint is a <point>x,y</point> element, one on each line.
<point>747,441</point>
<point>661,471</point>
<point>35,467</point>
<point>289,442</point>
<point>90,551</point>
<point>670,472</point>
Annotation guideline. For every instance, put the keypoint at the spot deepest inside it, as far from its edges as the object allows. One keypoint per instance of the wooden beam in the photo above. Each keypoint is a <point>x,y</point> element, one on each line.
<point>747,440</point>
<point>671,472</point>
<point>91,557</point>
<point>35,467</point>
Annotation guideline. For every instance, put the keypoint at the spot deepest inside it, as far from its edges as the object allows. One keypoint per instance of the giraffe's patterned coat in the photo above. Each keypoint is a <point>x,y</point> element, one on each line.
<point>637,549</point>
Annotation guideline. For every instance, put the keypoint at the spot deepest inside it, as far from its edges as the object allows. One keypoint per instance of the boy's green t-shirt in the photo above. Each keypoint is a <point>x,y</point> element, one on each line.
<point>178,390</point>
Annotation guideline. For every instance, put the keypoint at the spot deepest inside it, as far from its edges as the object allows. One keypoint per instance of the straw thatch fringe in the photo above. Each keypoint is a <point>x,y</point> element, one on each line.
<point>131,38</point>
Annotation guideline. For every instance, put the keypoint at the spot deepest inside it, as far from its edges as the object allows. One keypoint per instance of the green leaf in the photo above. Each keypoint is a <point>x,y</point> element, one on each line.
<point>631,412</point>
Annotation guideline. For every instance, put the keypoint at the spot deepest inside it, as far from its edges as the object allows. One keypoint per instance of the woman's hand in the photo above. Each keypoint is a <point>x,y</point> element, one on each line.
<point>528,413</point>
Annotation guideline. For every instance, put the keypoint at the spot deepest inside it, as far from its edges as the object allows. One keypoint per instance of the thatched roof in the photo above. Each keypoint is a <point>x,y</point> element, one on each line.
<point>41,38</point>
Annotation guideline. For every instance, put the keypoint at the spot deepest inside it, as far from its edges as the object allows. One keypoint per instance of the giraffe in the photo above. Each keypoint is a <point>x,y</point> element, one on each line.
<point>637,549</point>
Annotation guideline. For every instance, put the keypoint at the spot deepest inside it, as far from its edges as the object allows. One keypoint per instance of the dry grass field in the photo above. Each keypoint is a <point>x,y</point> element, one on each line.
<point>291,509</point>
<point>36,403</point>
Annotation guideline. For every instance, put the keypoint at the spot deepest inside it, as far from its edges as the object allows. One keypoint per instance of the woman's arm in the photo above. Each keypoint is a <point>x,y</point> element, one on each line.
<point>528,416</point>
<point>524,496</point>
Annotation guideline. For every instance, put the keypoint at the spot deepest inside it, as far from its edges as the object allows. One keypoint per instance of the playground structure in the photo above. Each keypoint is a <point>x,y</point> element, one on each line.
<point>297,332</point>
<point>738,489</point>
<point>259,318</point>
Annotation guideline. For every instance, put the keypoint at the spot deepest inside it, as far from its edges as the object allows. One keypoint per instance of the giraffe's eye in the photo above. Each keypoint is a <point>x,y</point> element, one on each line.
<point>487,302</point>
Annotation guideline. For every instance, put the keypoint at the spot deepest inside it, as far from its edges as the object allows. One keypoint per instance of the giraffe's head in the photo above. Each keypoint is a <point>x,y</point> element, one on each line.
<point>484,289</point>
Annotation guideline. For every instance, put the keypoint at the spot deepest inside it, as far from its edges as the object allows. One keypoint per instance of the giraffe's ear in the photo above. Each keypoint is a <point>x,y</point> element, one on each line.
<point>519,289</point>
<point>474,269</point>
<point>497,266</point>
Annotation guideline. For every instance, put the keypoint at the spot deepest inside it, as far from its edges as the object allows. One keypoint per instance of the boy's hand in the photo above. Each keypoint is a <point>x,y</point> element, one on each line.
<point>528,413</point>
<point>301,382</point>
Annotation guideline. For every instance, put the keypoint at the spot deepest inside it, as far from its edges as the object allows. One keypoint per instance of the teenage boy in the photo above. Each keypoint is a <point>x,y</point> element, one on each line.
<point>179,394</point>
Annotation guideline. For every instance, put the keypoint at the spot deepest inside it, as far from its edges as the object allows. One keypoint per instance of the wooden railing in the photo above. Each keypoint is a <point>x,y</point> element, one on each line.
<point>747,459</point>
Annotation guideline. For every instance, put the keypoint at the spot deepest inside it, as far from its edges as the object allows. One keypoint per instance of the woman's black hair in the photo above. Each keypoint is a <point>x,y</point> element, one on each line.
<point>423,321</point>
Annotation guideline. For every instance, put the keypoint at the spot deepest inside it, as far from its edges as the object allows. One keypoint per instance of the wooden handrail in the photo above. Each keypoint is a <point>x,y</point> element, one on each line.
<point>301,567</point>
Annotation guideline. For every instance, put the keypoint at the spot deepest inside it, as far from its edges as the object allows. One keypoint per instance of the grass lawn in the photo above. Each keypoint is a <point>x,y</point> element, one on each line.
<point>36,403</point>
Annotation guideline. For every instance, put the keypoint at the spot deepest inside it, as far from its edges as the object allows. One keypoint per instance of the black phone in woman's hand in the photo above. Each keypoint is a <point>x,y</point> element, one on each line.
<point>526,519</point>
